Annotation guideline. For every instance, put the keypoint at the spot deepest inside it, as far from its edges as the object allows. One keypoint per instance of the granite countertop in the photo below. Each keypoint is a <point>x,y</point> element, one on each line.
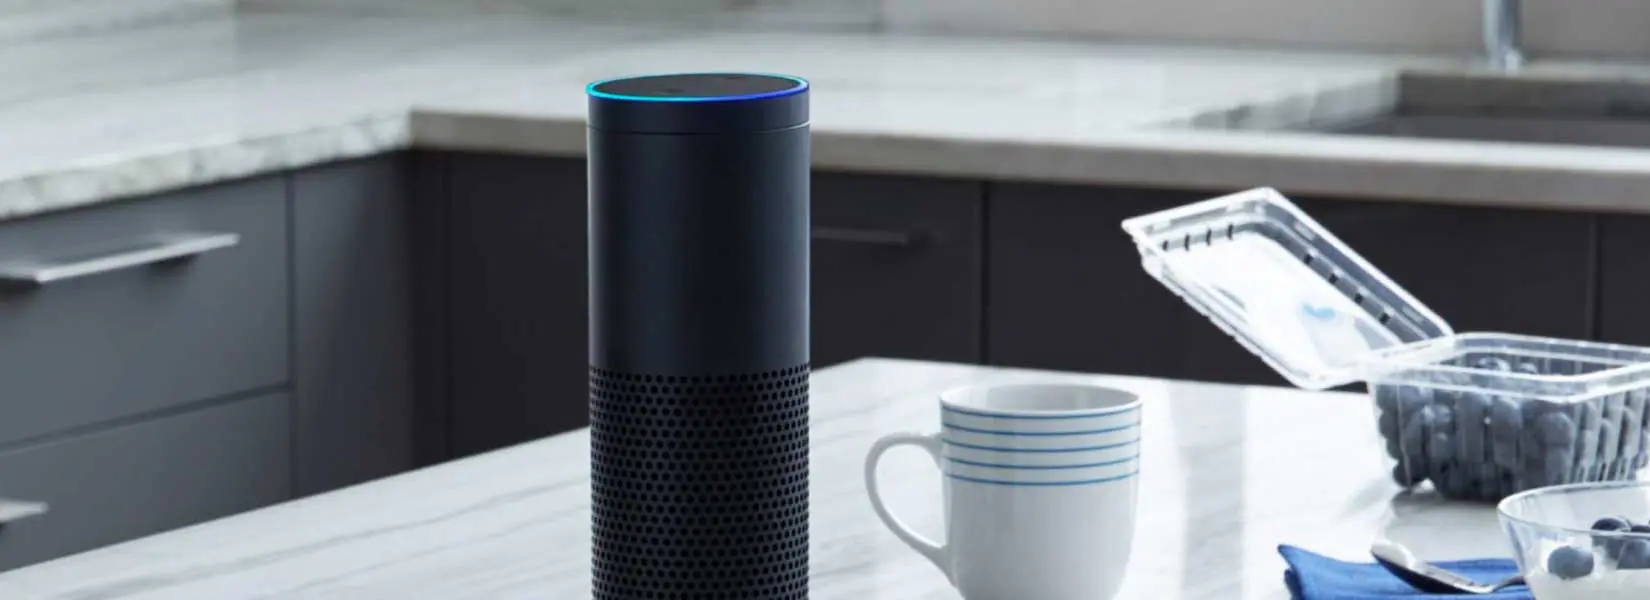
<point>1228,473</point>
<point>159,107</point>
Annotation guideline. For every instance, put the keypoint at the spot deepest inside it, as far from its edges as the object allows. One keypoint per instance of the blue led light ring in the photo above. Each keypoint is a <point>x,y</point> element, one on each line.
<point>801,86</point>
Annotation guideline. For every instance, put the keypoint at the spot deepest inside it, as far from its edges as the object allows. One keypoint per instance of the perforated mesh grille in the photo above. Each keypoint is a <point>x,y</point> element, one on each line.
<point>700,485</point>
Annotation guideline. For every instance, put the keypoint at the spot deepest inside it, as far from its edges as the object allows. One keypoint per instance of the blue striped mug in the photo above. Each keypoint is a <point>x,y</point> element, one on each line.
<point>1040,489</point>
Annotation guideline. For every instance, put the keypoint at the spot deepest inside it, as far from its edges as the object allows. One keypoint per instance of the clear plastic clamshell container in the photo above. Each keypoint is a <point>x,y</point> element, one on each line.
<point>1479,415</point>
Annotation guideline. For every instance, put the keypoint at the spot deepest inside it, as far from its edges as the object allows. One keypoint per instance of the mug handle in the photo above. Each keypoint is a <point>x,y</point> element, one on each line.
<point>934,552</point>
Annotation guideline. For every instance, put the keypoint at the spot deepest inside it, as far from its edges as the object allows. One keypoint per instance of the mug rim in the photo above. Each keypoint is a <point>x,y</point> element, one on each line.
<point>948,403</point>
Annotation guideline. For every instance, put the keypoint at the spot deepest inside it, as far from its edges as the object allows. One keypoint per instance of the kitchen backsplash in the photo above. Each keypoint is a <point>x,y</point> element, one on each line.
<point>33,19</point>
<point>1608,27</point>
<point>802,13</point>
<point>1591,27</point>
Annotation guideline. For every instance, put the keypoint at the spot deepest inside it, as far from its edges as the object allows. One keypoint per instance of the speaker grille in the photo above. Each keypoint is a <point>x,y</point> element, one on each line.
<point>699,485</point>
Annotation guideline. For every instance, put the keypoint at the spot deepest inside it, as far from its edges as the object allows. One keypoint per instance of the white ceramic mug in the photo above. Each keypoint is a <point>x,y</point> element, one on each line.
<point>1040,490</point>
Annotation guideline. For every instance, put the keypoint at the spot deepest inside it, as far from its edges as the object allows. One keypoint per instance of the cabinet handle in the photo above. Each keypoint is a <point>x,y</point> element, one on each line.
<point>25,274</point>
<point>874,237</point>
<point>16,510</point>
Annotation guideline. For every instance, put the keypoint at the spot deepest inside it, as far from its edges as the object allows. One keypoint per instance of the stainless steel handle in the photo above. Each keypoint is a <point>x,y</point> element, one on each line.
<point>876,237</point>
<point>35,273</point>
<point>16,510</point>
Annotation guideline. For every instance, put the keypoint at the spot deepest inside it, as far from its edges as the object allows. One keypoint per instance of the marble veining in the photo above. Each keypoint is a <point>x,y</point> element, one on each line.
<point>39,19</point>
<point>168,105</point>
<point>1228,472</point>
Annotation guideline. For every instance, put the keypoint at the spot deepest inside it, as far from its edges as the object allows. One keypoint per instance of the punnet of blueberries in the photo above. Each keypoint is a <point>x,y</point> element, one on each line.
<point>1483,437</point>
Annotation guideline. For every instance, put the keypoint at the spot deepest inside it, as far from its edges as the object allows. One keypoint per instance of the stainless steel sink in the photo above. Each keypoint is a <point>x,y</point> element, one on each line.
<point>1585,131</point>
<point>1496,107</point>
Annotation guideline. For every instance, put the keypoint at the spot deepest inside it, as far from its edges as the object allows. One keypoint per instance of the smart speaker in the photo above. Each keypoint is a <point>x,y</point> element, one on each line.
<point>699,336</point>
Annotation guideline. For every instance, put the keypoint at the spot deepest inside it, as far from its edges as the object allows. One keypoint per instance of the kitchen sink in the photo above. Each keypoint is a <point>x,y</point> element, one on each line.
<point>1585,131</point>
<point>1522,108</point>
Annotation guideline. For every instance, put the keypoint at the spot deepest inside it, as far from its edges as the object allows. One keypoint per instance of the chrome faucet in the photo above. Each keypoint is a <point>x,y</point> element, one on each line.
<point>1503,28</point>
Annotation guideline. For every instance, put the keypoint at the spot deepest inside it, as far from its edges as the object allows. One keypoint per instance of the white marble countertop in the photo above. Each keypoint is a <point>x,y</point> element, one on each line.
<point>1228,473</point>
<point>93,118</point>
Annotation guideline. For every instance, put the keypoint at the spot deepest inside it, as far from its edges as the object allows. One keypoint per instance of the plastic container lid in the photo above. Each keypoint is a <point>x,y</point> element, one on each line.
<point>1282,285</point>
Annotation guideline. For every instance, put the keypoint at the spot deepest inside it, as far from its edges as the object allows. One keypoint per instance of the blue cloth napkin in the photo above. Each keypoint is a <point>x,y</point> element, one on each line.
<point>1317,577</point>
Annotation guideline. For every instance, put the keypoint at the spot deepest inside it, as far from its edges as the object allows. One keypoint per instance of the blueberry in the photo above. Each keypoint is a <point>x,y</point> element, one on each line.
<point>1471,412</point>
<point>1635,554</point>
<point>1489,483</point>
<point>1412,399</point>
<point>1608,442</point>
<point>1555,429</point>
<point>1612,546</point>
<point>1570,562</point>
<point>1589,431</point>
<point>1441,447</point>
<point>1442,419</point>
<point>1511,484</point>
<point>1632,424</point>
<point>1450,481</point>
<point>1506,425</point>
<point>1612,524</point>
<point>1586,459</point>
<point>1388,423</point>
<point>1414,435</point>
<point>1386,397</point>
<point>1557,466</point>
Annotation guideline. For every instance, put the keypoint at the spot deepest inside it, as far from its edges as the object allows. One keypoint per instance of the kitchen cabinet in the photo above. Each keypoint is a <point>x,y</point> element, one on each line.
<point>1624,279</point>
<point>897,268</point>
<point>195,308</point>
<point>136,479</point>
<point>1066,290</point>
<point>1480,268</point>
<point>518,331</point>
<point>354,288</point>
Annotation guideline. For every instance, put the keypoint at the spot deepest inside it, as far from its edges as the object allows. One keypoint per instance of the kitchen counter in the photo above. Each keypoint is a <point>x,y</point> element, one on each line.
<point>1228,473</point>
<point>164,106</point>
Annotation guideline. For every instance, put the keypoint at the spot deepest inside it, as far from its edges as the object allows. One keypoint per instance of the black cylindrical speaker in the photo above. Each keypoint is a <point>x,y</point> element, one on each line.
<point>699,336</point>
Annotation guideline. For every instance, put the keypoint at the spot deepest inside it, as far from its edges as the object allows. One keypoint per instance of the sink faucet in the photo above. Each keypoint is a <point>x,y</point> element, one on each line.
<point>1502,32</point>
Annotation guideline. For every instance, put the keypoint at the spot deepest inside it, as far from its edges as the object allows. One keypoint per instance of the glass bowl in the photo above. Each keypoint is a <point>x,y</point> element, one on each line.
<point>1563,557</point>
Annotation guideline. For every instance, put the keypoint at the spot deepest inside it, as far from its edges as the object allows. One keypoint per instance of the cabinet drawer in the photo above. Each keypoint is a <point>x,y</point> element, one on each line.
<point>144,335</point>
<point>896,268</point>
<point>143,478</point>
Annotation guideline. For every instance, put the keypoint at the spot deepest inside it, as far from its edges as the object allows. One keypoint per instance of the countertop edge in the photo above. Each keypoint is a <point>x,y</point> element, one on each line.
<point>1570,179</point>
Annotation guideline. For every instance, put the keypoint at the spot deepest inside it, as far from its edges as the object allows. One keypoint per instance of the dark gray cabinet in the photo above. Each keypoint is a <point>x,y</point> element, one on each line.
<point>353,383</point>
<point>518,333</point>
<point>1481,269</point>
<point>1624,279</point>
<point>897,268</point>
<point>79,352</point>
<point>142,478</point>
<point>1065,286</point>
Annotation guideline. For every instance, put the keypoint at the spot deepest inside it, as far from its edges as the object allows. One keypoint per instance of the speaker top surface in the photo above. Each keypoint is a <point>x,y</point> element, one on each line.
<point>698,103</point>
